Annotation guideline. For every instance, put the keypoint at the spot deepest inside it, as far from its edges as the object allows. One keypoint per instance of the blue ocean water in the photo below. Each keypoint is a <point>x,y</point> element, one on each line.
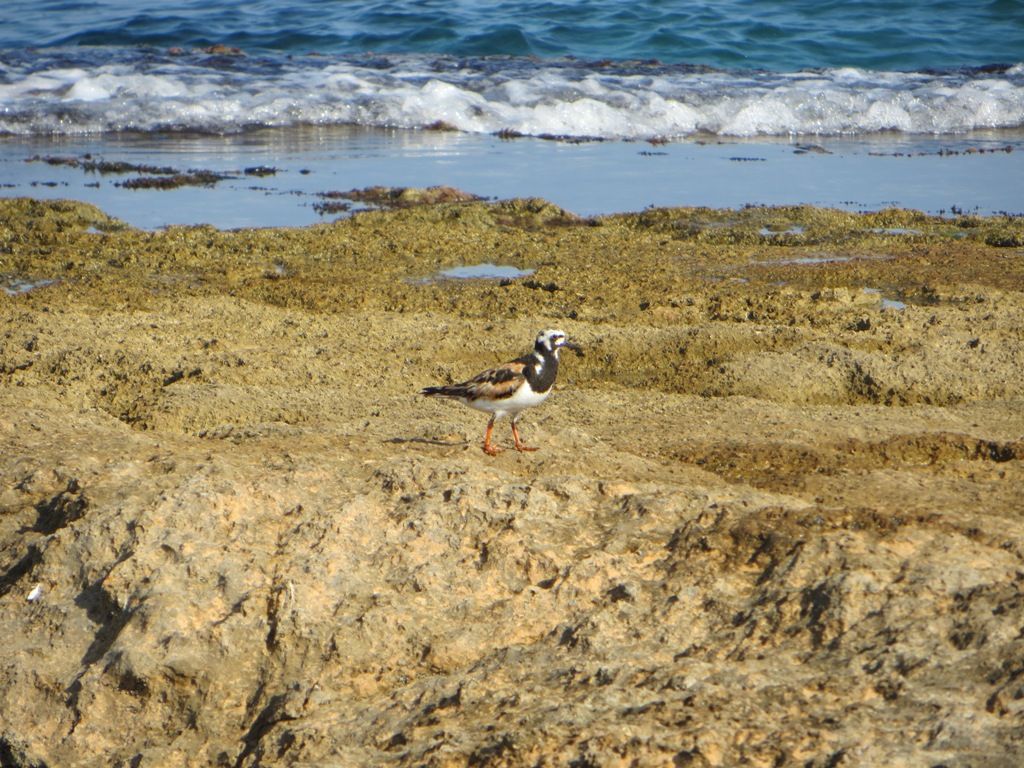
<point>589,68</point>
<point>903,102</point>
<point>783,36</point>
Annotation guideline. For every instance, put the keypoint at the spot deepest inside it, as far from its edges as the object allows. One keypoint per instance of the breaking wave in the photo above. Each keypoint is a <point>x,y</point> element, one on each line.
<point>99,90</point>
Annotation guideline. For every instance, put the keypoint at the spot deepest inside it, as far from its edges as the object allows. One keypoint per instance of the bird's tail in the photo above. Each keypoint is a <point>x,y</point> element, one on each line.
<point>433,391</point>
<point>448,390</point>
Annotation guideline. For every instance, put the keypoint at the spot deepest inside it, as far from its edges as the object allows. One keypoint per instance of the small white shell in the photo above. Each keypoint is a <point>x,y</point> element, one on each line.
<point>34,594</point>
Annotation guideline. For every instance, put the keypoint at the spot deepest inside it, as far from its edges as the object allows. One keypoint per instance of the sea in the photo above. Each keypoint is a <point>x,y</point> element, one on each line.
<point>597,105</point>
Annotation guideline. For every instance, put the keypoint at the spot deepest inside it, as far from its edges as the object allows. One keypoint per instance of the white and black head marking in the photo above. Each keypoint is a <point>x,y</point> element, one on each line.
<point>551,340</point>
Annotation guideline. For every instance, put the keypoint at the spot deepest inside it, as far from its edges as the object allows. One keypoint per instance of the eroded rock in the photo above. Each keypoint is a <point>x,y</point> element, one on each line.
<point>767,525</point>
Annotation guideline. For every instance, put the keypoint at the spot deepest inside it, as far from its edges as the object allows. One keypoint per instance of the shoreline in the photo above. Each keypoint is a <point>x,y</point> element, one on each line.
<point>976,173</point>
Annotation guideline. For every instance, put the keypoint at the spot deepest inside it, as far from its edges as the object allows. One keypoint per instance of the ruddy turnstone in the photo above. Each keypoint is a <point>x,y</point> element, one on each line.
<point>512,387</point>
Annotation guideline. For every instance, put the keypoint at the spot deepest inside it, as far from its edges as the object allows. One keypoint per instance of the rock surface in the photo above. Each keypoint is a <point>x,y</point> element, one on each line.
<point>775,517</point>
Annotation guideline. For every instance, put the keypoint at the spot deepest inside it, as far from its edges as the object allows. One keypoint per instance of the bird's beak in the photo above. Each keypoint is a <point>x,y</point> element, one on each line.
<point>574,347</point>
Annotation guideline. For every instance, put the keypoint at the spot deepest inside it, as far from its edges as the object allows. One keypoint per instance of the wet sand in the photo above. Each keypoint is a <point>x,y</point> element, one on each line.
<point>774,517</point>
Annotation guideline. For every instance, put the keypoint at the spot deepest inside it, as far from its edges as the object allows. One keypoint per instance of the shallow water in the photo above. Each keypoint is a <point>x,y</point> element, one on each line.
<point>13,285</point>
<point>486,271</point>
<point>586,179</point>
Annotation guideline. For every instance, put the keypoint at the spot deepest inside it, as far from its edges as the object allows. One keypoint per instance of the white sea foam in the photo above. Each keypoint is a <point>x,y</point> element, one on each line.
<point>82,93</point>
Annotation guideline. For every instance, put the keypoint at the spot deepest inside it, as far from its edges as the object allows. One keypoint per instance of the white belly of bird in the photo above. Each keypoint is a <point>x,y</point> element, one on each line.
<point>521,399</point>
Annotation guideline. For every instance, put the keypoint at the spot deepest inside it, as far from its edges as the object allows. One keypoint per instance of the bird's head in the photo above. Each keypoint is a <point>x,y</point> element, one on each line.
<point>551,340</point>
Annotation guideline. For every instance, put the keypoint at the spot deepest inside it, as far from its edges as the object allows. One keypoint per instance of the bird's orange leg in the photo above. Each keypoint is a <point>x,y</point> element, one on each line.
<point>489,449</point>
<point>519,443</point>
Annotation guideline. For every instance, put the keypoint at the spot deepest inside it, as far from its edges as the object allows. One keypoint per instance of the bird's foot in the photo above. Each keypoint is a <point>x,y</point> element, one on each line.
<point>520,445</point>
<point>492,450</point>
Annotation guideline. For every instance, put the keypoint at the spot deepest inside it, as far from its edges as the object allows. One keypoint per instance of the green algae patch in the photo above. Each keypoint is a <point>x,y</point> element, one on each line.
<point>46,218</point>
<point>175,181</point>
<point>657,267</point>
<point>406,197</point>
<point>808,226</point>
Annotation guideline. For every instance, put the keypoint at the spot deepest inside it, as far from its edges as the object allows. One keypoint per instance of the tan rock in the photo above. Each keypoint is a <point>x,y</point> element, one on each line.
<point>759,530</point>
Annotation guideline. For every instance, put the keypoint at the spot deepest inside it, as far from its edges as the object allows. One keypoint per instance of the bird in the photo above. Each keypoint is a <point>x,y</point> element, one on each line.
<point>510,388</point>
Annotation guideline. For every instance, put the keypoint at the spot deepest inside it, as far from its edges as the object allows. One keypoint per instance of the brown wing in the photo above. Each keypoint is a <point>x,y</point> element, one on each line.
<point>494,384</point>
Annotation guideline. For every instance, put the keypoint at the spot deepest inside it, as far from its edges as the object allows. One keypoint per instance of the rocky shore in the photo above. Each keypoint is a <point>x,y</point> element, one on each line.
<point>775,517</point>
